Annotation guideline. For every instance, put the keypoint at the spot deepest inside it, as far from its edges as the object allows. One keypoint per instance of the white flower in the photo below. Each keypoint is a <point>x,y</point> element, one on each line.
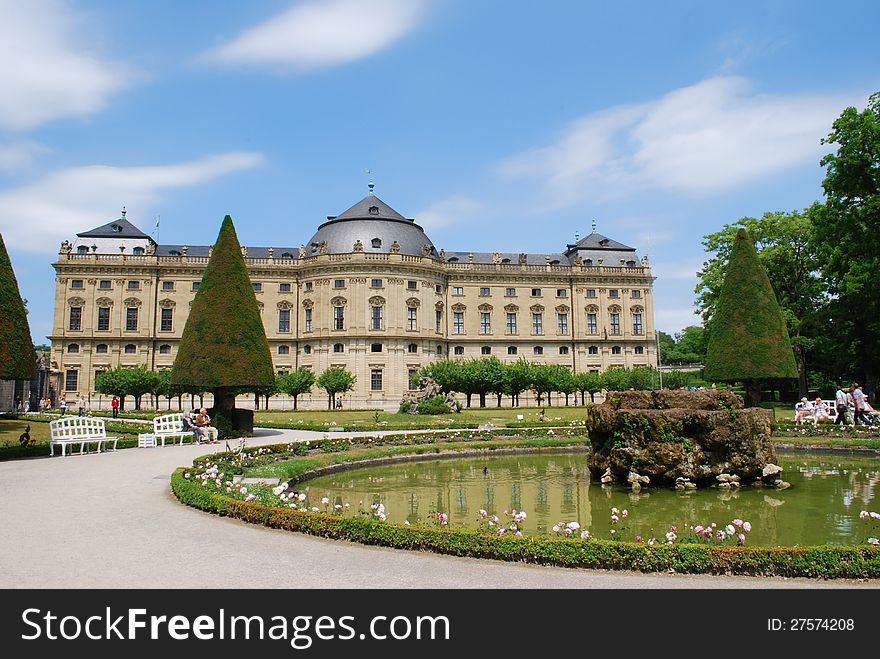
<point>746,527</point>
<point>574,526</point>
<point>729,529</point>
<point>585,534</point>
<point>556,528</point>
<point>625,513</point>
<point>301,497</point>
<point>325,500</point>
<point>873,541</point>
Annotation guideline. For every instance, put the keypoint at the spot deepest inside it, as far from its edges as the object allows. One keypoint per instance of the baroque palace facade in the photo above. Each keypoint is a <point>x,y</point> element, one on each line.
<point>368,292</point>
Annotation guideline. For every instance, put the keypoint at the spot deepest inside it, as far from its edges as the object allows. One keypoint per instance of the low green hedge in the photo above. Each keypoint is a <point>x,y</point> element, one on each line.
<point>825,562</point>
<point>819,562</point>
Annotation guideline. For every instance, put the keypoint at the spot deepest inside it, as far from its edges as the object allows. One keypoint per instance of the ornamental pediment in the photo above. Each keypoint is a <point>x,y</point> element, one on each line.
<point>511,308</point>
<point>485,308</point>
<point>132,302</point>
<point>413,303</point>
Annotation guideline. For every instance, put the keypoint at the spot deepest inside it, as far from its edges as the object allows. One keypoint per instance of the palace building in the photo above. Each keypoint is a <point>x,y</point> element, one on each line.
<point>369,292</point>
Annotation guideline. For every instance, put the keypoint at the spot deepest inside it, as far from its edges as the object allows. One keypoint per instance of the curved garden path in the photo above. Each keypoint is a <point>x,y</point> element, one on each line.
<point>110,521</point>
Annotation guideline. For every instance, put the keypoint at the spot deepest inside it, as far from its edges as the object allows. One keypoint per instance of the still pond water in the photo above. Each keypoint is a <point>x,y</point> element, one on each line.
<point>828,490</point>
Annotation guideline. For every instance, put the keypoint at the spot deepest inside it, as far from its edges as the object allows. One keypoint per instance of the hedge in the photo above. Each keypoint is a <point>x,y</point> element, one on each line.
<point>827,561</point>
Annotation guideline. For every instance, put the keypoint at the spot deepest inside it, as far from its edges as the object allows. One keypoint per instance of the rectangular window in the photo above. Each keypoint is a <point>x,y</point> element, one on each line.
<point>637,323</point>
<point>375,347</point>
<point>438,289</point>
<point>458,290</point>
<point>195,287</point>
<point>412,319</point>
<point>308,320</point>
<point>485,322</point>
<point>309,286</point>
<point>510,292</point>
<point>613,292</point>
<point>104,284</point>
<point>561,292</point>
<point>258,287</point>
<point>339,318</point>
<point>592,324</point>
<point>284,320</point>
<point>338,283</point>
<point>284,288</point>
<point>71,378</point>
<point>167,320</point>
<point>103,319</point>
<point>131,319</point>
<point>438,321</point>
<point>134,285</point>
<point>376,317</point>
<point>486,350</point>
<point>591,292</point>
<point>484,291</point>
<point>75,319</point>
<point>375,283</point>
<point>562,322</point>
<point>615,323</point>
<point>536,292</point>
<point>636,293</point>
<point>76,283</point>
<point>376,379</point>
<point>458,322</point>
<point>511,323</point>
<point>167,285</point>
<point>412,284</point>
<point>413,379</point>
<point>537,323</point>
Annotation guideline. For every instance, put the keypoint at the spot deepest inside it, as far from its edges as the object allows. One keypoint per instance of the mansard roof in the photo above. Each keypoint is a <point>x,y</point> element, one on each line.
<point>120,228</point>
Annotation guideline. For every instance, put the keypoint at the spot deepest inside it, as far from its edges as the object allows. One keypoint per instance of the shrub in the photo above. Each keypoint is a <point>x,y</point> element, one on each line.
<point>436,405</point>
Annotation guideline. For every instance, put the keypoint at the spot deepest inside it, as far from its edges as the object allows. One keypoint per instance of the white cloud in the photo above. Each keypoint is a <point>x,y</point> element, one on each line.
<point>449,211</point>
<point>705,138</point>
<point>36,217</point>
<point>19,154</point>
<point>46,74</point>
<point>319,34</point>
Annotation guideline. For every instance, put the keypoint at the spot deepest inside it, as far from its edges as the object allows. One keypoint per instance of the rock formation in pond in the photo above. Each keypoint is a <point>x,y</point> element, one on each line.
<point>679,437</point>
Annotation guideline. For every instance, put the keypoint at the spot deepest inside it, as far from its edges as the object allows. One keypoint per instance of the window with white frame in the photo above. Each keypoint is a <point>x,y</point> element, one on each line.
<point>458,322</point>
<point>485,322</point>
<point>537,323</point>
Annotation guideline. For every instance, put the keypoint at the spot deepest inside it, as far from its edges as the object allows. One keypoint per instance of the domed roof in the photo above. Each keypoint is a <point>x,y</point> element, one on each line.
<point>376,225</point>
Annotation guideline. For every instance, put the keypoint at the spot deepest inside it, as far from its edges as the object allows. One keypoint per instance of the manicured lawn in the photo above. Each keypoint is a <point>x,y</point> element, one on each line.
<point>11,429</point>
<point>498,416</point>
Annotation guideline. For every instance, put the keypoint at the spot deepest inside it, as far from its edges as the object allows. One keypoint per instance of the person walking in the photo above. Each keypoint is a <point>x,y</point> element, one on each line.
<point>115,405</point>
<point>81,406</point>
<point>63,405</point>
<point>840,401</point>
<point>858,404</point>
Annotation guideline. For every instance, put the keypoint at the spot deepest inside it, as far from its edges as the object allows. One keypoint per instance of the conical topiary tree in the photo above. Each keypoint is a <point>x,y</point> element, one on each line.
<point>748,340</point>
<point>17,357</point>
<point>224,348</point>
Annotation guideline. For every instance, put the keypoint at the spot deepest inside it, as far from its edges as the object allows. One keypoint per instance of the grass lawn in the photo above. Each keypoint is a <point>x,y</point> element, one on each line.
<point>351,419</point>
<point>11,429</point>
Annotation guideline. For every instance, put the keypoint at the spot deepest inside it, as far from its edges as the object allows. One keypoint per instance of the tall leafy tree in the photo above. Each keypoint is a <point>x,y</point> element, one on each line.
<point>748,340</point>
<point>224,348</point>
<point>296,383</point>
<point>588,382</point>
<point>787,248</point>
<point>335,380</point>
<point>518,378</point>
<point>849,242</point>
<point>17,357</point>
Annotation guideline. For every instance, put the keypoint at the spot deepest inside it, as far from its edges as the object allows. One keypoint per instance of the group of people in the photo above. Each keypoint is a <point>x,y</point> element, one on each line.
<point>847,404</point>
<point>200,425</point>
<point>80,406</point>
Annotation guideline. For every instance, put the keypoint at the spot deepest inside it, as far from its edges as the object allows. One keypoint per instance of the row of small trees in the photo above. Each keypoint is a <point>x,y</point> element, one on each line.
<point>140,381</point>
<point>490,376</point>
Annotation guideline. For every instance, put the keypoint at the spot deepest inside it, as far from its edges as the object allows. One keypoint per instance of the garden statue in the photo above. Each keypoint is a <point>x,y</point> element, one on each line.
<point>428,390</point>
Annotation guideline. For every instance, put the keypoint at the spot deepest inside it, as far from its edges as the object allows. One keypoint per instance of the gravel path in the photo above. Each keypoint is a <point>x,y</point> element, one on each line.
<point>110,521</point>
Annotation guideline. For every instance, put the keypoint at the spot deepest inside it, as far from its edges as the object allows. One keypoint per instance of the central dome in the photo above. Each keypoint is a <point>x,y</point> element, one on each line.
<point>376,225</point>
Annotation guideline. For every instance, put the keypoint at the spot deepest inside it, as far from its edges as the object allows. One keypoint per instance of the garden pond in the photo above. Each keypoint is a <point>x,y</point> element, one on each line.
<point>828,491</point>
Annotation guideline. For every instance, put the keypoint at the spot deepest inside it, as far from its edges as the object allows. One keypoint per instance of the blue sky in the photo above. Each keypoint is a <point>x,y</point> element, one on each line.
<point>497,125</point>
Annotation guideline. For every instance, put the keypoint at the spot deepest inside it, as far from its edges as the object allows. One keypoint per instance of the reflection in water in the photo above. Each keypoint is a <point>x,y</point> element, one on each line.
<point>828,492</point>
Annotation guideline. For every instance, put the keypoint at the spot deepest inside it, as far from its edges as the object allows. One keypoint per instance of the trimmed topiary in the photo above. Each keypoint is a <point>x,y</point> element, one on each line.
<point>17,356</point>
<point>748,341</point>
<point>224,348</point>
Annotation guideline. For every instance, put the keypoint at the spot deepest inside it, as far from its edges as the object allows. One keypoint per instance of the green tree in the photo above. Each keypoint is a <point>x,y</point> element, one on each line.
<point>748,340</point>
<point>447,374</point>
<point>483,376</point>
<point>588,382</point>
<point>563,381</point>
<point>165,388</point>
<point>296,383</point>
<point>128,381</point>
<point>518,378</point>
<point>110,382</point>
<point>223,347</point>
<point>667,347</point>
<point>616,378</point>
<point>335,380</point>
<point>849,241</point>
<point>642,378</point>
<point>542,381</point>
<point>17,357</point>
<point>787,248</point>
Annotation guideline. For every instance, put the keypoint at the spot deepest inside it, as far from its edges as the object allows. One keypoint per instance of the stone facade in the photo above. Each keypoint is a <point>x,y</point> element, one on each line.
<point>371,307</point>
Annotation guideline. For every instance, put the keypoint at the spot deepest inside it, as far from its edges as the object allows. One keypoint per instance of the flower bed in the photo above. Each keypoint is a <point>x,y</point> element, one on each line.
<point>208,486</point>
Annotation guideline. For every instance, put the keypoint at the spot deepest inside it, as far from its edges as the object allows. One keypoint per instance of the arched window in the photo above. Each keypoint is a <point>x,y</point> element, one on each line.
<point>101,348</point>
<point>439,351</point>
<point>307,349</point>
<point>538,350</point>
<point>283,350</point>
<point>286,255</point>
<point>615,350</point>
<point>130,349</point>
<point>511,350</point>
<point>164,349</point>
<point>376,243</point>
<point>593,350</point>
<point>412,348</point>
<point>563,350</point>
<point>338,347</point>
<point>486,350</point>
<point>640,350</point>
<point>138,251</point>
<point>82,249</point>
<point>458,350</point>
<point>72,348</point>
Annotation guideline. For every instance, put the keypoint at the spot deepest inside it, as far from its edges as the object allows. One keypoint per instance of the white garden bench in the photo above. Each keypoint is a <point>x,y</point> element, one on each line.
<point>170,426</point>
<point>82,430</point>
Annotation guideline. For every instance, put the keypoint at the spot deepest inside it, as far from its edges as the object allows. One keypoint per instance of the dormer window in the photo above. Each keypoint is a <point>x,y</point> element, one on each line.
<point>138,251</point>
<point>376,242</point>
<point>453,259</point>
<point>374,210</point>
<point>82,249</point>
<point>588,261</point>
<point>174,252</point>
<point>287,255</point>
<point>116,228</point>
